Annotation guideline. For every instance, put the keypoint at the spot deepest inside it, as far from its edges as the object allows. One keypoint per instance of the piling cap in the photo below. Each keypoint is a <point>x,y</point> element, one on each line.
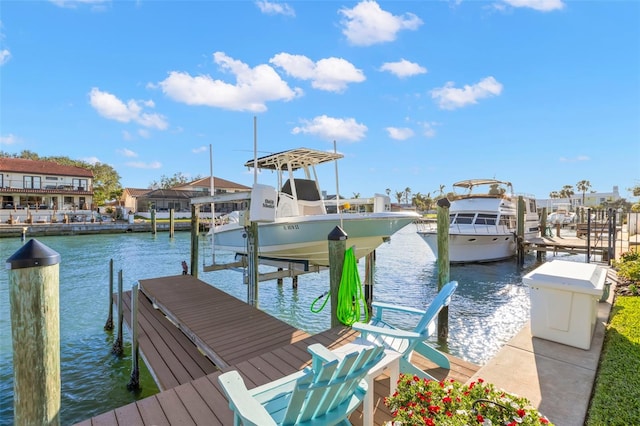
<point>443,202</point>
<point>33,254</point>
<point>337,234</point>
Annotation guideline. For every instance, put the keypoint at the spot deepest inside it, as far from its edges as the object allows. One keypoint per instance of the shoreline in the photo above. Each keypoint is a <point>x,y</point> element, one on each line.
<point>59,229</point>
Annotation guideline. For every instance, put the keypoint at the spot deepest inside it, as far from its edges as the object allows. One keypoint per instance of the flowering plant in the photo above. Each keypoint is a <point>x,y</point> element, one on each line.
<point>429,402</point>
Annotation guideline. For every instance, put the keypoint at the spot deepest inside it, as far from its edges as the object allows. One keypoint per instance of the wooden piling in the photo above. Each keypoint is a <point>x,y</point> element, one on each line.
<point>369,273</point>
<point>540,254</point>
<point>171,223</point>
<point>153,221</point>
<point>521,211</point>
<point>117,345</point>
<point>35,329</point>
<point>443,263</point>
<point>337,246</point>
<point>195,229</point>
<point>134,382</point>
<point>252,262</point>
<point>108,326</point>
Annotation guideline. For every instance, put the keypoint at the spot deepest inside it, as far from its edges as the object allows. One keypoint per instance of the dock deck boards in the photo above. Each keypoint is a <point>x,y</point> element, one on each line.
<point>204,313</point>
<point>199,400</point>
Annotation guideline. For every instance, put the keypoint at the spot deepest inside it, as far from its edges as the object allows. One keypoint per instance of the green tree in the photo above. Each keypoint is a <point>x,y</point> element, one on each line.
<point>407,193</point>
<point>106,184</point>
<point>399,196</point>
<point>167,182</point>
<point>566,191</point>
<point>583,186</point>
<point>554,194</point>
<point>388,191</point>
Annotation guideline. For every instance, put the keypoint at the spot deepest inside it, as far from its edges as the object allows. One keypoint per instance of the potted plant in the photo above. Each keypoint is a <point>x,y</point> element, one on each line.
<point>429,402</point>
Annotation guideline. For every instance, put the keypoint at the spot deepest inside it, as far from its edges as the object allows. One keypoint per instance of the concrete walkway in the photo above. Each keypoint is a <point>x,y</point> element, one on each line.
<point>556,378</point>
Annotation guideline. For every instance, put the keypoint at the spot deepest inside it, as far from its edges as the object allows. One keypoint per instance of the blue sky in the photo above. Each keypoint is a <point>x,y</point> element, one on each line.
<point>418,94</point>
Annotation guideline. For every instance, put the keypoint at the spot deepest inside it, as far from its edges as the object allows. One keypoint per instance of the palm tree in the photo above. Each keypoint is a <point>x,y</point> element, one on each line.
<point>399,195</point>
<point>583,186</point>
<point>388,191</point>
<point>407,192</point>
<point>566,191</point>
<point>554,194</point>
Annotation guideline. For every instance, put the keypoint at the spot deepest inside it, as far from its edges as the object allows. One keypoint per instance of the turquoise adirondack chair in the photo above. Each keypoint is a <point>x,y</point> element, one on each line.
<point>381,332</point>
<point>324,394</point>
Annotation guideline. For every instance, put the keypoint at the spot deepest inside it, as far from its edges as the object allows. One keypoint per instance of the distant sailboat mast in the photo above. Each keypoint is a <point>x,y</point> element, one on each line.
<point>213,212</point>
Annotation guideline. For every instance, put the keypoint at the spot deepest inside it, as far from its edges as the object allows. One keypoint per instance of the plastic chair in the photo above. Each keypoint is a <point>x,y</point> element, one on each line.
<point>324,394</point>
<point>381,332</point>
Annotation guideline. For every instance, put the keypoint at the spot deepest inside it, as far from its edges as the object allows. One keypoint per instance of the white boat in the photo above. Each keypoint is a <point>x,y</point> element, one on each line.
<point>293,221</point>
<point>483,222</point>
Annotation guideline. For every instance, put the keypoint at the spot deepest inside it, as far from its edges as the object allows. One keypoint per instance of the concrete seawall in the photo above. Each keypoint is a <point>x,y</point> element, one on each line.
<point>53,229</point>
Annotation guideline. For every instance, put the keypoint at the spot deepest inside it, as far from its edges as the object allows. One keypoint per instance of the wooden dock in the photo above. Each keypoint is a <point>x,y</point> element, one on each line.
<point>193,319</point>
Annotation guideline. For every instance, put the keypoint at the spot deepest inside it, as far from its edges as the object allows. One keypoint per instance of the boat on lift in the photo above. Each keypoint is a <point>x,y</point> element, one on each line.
<point>483,222</point>
<point>293,222</point>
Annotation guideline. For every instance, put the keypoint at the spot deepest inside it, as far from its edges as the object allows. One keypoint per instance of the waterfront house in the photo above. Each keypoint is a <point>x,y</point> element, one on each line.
<point>179,197</point>
<point>37,190</point>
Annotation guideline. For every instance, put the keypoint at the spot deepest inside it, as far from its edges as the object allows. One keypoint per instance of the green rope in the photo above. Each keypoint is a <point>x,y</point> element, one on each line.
<point>315,311</point>
<point>350,295</point>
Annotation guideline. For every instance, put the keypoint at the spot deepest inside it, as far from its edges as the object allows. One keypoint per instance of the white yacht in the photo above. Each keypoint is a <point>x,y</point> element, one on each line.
<point>483,222</point>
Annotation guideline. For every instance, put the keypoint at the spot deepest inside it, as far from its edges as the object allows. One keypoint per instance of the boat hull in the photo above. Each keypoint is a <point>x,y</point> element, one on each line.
<point>305,238</point>
<point>473,247</point>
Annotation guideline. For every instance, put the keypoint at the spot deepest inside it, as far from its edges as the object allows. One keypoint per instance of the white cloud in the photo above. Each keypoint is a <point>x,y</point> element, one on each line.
<point>367,24</point>
<point>199,149</point>
<point>329,128</point>
<point>127,152</point>
<point>575,159</point>
<point>142,165</point>
<point>10,139</point>
<point>109,106</point>
<point>540,5</point>
<point>428,129</point>
<point>273,8</point>
<point>252,89</point>
<point>91,160</point>
<point>450,97</point>
<point>126,135</point>
<point>75,3</point>
<point>399,133</point>
<point>5,55</point>
<point>403,68</point>
<point>330,74</point>
<point>144,133</point>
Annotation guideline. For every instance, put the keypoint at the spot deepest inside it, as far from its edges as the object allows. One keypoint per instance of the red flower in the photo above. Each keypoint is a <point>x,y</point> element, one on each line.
<point>447,400</point>
<point>521,413</point>
<point>434,409</point>
<point>429,422</point>
<point>479,418</point>
<point>544,420</point>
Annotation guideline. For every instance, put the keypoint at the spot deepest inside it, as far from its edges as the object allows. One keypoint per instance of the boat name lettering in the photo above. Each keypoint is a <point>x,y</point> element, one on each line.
<point>270,204</point>
<point>289,227</point>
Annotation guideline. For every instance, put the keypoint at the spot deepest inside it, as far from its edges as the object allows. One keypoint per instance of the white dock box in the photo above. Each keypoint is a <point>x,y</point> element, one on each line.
<point>564,301</point>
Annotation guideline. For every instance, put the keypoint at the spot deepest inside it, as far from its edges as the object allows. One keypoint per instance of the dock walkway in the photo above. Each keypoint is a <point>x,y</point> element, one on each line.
<point>195,318</point>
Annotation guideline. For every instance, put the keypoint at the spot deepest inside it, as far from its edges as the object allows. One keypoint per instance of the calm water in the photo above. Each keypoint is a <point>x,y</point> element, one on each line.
<point>490,306</point>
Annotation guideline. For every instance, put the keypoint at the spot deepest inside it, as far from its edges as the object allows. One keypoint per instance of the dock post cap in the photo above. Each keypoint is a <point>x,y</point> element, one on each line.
<point>33,253</point>
<point>443,202</point>
<point>337,234</point>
